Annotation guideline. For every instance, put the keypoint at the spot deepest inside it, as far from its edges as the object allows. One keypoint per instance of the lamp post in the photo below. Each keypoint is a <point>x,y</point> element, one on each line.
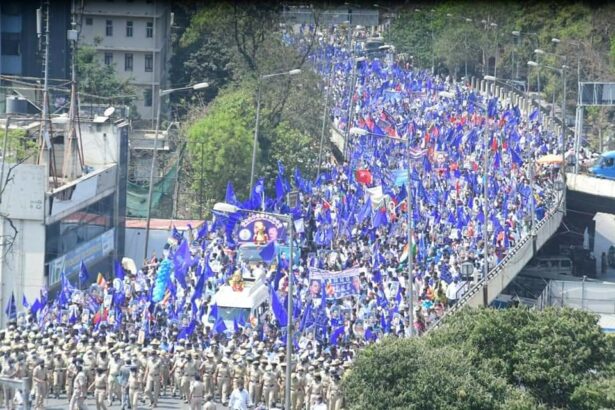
<point>353,80</point>
<point>507,82</point>
<point>517,34</point>
<point>495,64</point>
<point>228,208</point>
<point>465,42</point>
<point>150,192</point>
<point>258,111</point>
<point>324,115</point>
<point>562,72</point>
<point>579,112</point>
<point>409,221</point>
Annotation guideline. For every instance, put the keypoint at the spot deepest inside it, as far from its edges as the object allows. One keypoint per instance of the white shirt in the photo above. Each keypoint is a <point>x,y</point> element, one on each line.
<point>239,400</point>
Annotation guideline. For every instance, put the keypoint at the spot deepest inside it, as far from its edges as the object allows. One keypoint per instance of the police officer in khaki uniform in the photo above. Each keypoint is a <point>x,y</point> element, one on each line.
<point>269,382</point>
<point>197,393</point>
<point>297,392</point>
<point>134,387</point>
<point>39,379</point>
<point>334,395</point>
<point>176,371</point>
<point>223,380</point>
<point>115,364</point>
<point>316,389</point>
<point>189,370</point>
<point>59,372</point>
<point>71,373</point>
<point>9,371</point>
<point>100,388</point>
<point>254,377</point>
<point>208,368</point>
<point>152,378</point>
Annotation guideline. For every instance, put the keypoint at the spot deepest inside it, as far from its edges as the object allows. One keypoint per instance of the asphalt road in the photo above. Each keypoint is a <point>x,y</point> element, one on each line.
<point>163,404</point>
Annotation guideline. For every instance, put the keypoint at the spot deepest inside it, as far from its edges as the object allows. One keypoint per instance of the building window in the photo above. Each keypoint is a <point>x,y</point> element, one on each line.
<point>149,62</point>
<point>149,31</point>
<point>108,58</point>
<point>128,62</point>
<point>89,21</point>
<point>11,44</point>
<point>147,97</point>
<point>129,29</point>
<point>109,28</point>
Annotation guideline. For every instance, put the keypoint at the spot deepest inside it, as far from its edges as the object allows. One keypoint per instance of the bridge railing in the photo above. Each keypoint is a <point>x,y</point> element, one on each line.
<point>23,385</point>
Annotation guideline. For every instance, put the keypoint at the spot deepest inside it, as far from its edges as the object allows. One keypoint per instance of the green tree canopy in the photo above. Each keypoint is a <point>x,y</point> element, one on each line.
<point>487,358</point>
<point>220,143</point>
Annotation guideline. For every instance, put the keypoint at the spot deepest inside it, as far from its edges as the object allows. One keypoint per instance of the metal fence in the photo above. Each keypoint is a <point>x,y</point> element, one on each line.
<point>597,297</point>
<point>21,385</point>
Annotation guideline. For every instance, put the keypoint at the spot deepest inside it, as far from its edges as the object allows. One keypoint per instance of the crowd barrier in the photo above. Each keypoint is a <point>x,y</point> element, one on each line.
<point>23,385</point>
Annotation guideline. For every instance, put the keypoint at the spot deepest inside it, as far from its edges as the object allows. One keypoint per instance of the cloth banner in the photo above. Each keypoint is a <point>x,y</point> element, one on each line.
<point>336,284</point>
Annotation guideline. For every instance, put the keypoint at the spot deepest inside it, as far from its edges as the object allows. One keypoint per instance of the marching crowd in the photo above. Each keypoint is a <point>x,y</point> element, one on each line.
<point>120,344</point>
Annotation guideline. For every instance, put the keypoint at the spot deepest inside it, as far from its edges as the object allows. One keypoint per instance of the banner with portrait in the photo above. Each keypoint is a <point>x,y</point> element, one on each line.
<point>260,229</point>
<point>336,284</point>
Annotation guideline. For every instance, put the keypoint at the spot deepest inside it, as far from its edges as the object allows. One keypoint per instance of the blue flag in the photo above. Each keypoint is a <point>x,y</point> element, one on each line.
<point>230,197</point>
<point>11,308</point>
<point>24,302</point>
<point>336,334</point>
<point>219,327</point>
<point>213,312</point>
<point>268,252</point>
<point>83,273</point>
<point>182,259</point>
<point>278,310</point>
<point>119,270</point>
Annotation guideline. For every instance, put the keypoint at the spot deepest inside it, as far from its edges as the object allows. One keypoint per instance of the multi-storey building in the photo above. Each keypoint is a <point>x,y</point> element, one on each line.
<point>134,36</point>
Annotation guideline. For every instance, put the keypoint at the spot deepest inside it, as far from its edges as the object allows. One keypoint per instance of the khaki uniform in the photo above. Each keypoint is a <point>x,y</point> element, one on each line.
<point>334,396</point>
<point>134,388</point>
<point>197,392</point>
<point>208,369</point>
<point>59,374</point>
<point>152,386</point>
<point>297,391</point>
<point>10,372</point>
<point>269,382</point>
<point>80,387</point>
<point>210,405</point>
<point>112,383</point>
<point>315,391</point>
<point>177,375</point>
<point>189,370</point>
<point>223,381</point>
<point>71,372</point>
<point>100,391</point>
<point>39,378</point>
<point>254,384</point>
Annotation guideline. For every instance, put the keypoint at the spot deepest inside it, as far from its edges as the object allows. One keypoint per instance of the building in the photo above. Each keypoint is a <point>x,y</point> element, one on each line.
<point>49,227</point>
<point>20,48</point>
<point>134,36</point>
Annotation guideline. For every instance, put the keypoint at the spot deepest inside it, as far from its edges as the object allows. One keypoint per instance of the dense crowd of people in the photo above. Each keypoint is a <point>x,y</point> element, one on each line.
<point>157,331</point>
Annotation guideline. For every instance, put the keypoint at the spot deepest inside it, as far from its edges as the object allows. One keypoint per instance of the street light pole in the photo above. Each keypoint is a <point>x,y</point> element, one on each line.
<point>289,316</point>
<point>324,116</point>
<point>350,103</point>
<point>495,64</point>
<point>258,111</point>
<point>410,236</point>
<point>150,191</point>
<point>255,141</point>
<point>486,218</point>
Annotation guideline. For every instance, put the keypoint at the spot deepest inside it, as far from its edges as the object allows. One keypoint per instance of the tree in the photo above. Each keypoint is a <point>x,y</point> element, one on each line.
<point>411,374</point>
<point>98,80</point>
<point>220,144</point>
<point>550,353</point>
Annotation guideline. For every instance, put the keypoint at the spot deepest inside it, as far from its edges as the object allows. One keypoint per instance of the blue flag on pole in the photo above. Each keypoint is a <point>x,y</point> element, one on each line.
<point>278,310</point>
<point>11,308</point>
<point>230,197</point>
<point>83,273</point>
<point>24,302</point>
<point>336,334</point>
<point>119,270</point>
<point>219,327</point>
<point>268,252</point>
